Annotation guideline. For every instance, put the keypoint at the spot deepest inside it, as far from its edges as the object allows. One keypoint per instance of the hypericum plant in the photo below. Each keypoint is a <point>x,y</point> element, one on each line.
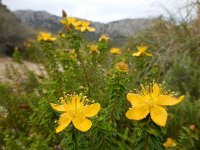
<point>103,37</point>
<point>103,75</point>
<point>151,100</point>
<point>122,67</point>
<point>142,50</point>
<point>44,36</point>
<point>75,109</point>
<point>170,143</point>
<point>115,50</point>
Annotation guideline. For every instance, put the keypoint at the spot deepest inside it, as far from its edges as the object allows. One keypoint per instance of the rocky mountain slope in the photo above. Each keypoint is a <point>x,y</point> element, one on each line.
<point>117,30</point>
<point>12,32</point>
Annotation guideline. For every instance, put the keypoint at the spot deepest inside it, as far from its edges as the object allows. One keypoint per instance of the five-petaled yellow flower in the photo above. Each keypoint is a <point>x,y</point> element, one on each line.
<point>122,66</point>
<point>151,100</point>
<point>115,50</point>
<point>103,37</point>
<point>44,36</point>
<point>142,50</point>
<point>70,21</point>
<point>93,48</point>
<point>169,143</point>
<point>74,109</point>
<point>85,26</point>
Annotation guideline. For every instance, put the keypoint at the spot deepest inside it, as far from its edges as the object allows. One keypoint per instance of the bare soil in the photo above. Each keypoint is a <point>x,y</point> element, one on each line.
<point>7,63</point>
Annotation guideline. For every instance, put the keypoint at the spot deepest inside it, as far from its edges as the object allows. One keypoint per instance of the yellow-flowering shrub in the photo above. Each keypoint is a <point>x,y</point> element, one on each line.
<point>99,117</point>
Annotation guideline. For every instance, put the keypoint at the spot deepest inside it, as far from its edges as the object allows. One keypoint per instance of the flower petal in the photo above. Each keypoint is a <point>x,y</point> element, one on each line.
<point>63,21</point>
<point>92,110</point>
<point>83,29</point>
<point>77,28</point>
<point>58,107</point>
<point>156,90</point>
<point>91,29</point>
<point>76,24</point>
<point>63,122</point>
<point>148,54</point>
<point>81,123</point>
<point>135,99</point>
<point>158,115</point>
<point>85,23</point>
<point>76,103</point>
<point>138,113</point>
<point>169,100</point>
<point>142,48</point>
<point>137,53</point>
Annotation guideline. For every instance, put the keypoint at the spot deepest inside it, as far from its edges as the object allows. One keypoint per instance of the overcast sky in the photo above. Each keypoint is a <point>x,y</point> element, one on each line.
<point>101,10</point>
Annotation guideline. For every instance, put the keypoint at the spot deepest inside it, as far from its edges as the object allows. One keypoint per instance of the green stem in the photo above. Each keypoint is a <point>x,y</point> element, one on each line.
<point>86,75</point>
<point>146,141</point>
<point>104,143</point>
<point>147,136</point>
<point>115,101</point>
<point>75,139</point>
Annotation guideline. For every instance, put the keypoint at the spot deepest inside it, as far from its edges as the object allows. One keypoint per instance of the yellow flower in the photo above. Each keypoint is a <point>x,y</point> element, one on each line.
<point>122,66</point>
<point>103,37</point>
<point>73,21</point>
<point>142,50</point>
<point>44,36</point>
<point>93,48</point>
<point>169,143</point>
<point>115,50</point>
<point>151,100</point>
<point>70,21</point>
<point>63,21</point>
<point>85,26</point>
<point>74,109</point>
<point>72,54</point>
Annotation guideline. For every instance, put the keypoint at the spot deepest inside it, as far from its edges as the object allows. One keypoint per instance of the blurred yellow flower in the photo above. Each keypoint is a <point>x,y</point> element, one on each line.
<point>122,66</point>
<point>142,50</point>
<point>73,21</point>
<point>63,21</point>
<point>72,54</point>
<point>103,37</point>
<point>151,100</point>
<point>93,48</point>
<point>169,143</point>
<point>70,21</point>
<point>115,50</point>
<point>84,25</point>
<point>44,36</point>
<point>75,109</point>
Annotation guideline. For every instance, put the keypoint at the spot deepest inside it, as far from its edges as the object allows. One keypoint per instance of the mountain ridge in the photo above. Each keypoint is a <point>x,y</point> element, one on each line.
<point>116,30</point>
